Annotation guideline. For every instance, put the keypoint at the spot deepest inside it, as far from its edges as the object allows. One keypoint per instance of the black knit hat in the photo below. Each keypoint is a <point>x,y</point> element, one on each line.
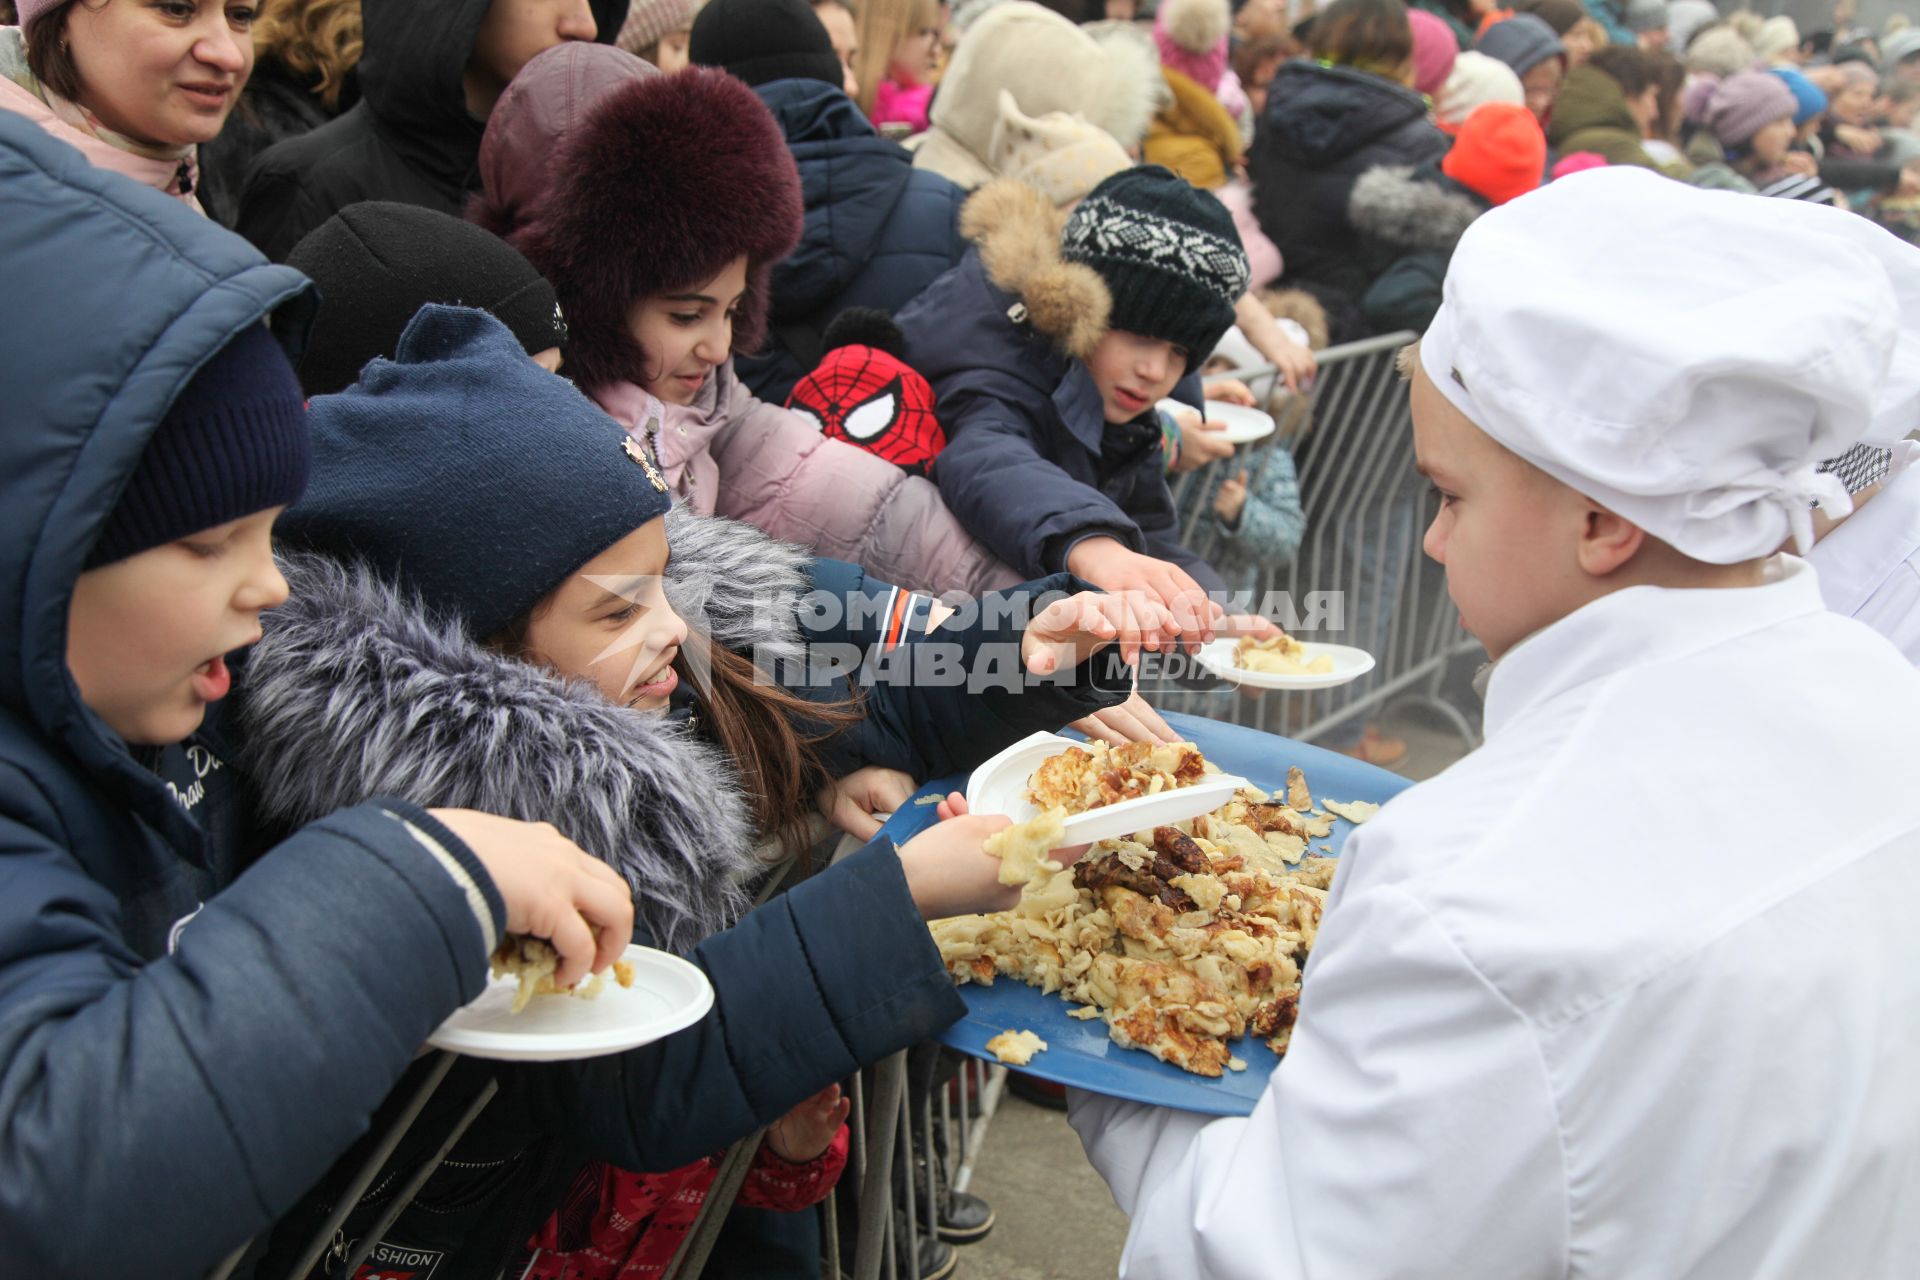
<point>465,472</point>
<point>378,263</point>
<point>761,40</point>
<point>1169,255</point>
<point>233,442</point>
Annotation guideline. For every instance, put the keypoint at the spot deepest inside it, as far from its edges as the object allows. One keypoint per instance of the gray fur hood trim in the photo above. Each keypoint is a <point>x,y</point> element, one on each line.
<point>357,691</point>
<point>737,585</point>
<point>1391,204</point>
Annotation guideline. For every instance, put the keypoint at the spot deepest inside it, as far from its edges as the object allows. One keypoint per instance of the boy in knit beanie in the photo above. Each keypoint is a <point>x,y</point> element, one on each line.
<point>1048,348</point>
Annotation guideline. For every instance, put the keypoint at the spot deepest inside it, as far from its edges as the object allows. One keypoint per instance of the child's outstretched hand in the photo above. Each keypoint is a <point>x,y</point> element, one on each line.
<point>1109,564</point>
<point>804,1133</point>
<point>552,889</point>
<point>1131,721</point>
<point>1068,632</point>
<point>1201,442</point>
<point>859,802</point>
<point>1230,391</point>
<point>1231,497</point>
<point>949,871</point>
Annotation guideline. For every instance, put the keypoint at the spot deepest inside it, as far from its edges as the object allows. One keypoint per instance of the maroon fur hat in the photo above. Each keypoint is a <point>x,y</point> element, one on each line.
<point>664,183</point>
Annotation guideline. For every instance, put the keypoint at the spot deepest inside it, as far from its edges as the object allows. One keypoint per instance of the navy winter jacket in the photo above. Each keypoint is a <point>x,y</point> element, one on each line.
<point>1323,127</point>
<point>183,1049</point>
<point>1031,466</point>
<point>878,230</point>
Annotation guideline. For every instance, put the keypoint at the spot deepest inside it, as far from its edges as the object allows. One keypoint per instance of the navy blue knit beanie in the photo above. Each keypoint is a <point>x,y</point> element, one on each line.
<point>233,442</point>
<point>466,473</point>
<point>1168,253</point>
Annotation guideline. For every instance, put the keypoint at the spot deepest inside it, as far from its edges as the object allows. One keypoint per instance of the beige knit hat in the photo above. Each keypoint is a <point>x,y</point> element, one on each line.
<point>1058,154</point>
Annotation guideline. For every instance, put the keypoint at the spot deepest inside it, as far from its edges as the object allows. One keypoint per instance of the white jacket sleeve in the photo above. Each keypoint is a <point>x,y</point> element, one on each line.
<point>1410,1130</point>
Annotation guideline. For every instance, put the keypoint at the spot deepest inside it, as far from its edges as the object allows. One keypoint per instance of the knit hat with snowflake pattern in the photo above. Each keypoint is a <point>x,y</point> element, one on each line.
<point>1168,253</point>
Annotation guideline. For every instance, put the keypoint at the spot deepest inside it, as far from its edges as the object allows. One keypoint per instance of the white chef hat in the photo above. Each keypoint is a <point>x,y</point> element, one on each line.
<point>1685,357</point>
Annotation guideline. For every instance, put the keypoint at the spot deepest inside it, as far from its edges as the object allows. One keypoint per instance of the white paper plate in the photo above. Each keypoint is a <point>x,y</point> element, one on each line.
<point>1349,663</point>
<point>1000,786</point>
<point>667,995</point>
<point>1244,425</point>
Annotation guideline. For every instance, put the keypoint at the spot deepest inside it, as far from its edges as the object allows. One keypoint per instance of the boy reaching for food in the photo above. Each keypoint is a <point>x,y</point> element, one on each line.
<point>1582,1005</point>
<point>1049,347</point>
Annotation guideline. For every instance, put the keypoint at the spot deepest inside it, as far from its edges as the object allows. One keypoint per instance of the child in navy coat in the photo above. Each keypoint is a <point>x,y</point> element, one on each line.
<point>1048,348</point>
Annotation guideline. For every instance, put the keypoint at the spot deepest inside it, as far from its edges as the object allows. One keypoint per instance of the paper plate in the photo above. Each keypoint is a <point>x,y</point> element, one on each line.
<point>1000,786</point>
<point>1349,663</point>
<point>1243,425</point>
<point>667,995</point>
<point>1079,1053</point>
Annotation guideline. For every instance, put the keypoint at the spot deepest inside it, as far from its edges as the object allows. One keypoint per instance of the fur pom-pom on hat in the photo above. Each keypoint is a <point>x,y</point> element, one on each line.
<point>666,182</point>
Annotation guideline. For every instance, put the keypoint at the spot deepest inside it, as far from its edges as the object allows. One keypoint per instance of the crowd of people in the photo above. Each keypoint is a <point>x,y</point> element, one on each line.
<point>437,424</point>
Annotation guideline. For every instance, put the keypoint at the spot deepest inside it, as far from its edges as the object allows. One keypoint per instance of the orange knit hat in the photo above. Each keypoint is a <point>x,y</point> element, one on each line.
<point>1499,154</point>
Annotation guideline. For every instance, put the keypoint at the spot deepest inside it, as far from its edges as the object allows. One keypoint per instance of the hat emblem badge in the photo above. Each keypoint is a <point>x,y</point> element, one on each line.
<point>638,452</point>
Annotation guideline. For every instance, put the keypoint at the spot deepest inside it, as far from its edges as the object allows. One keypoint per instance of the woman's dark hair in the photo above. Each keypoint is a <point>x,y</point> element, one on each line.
<point>1671,75</point>
<point>49,57</point>
<point>1626,66</point>
<point>772,736</point>
<point>1367,35</point>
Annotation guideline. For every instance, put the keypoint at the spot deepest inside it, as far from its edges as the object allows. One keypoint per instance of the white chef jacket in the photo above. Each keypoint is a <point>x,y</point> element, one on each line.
<point>1870,565</point>
<point>1631,991</point>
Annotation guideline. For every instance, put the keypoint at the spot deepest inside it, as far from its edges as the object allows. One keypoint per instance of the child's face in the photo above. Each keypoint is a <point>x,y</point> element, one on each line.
<point>1853,104</point>
<point>148,636</point>
<point>838,20</point>
<point>611,625</point>
<point>1507,533</point>
<point>670,55</point>
<point>1771,143</point>
<point>1541,85</point>
<point>688,333</point>
<point>1134,372</point>
<point>913,56</point>
<point>1898,115</point>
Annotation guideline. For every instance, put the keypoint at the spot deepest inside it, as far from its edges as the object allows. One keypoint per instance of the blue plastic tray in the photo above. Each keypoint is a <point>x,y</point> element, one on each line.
<point>1079,1053</point>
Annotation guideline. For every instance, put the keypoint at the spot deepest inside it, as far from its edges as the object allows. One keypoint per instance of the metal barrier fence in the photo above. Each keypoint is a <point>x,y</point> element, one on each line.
<point>1360,576</point>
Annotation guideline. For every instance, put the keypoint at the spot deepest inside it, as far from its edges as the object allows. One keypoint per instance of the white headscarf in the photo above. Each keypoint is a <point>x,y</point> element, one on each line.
<point>1684,357</point>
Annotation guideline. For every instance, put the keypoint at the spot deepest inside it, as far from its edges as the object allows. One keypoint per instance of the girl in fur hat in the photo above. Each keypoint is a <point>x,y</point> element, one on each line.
<point>442,645</point>
<point>664,211</point>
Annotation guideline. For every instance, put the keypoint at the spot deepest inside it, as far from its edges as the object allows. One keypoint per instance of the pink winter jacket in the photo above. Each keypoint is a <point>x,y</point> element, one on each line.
<point>161,175</point>
<point>733,455</point>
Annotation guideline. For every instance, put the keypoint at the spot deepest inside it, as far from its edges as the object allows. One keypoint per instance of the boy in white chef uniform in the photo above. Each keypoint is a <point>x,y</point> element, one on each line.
<point>1633,990</point>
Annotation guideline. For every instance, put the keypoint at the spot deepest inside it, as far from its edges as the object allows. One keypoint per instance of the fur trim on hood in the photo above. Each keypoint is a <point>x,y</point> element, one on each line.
<point>664,183</point>
<point>1390,203</point>
<point>1018,231</point>
<point>357,691</point>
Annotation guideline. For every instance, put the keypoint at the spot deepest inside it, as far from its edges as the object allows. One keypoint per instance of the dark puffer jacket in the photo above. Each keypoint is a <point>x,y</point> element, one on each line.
<point>278,103</point>
<point>410,138</point>
<point>1323,128</point>
<point>878,231</point>
<point>1409,221</point>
